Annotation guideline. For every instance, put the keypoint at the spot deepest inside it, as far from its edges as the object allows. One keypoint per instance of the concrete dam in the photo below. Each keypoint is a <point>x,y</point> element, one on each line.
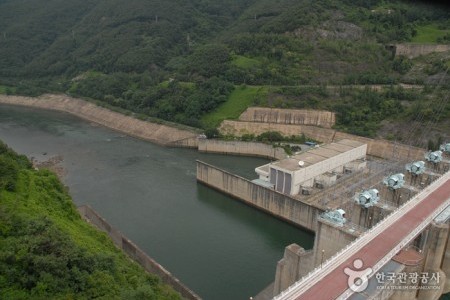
<point>318,190</point>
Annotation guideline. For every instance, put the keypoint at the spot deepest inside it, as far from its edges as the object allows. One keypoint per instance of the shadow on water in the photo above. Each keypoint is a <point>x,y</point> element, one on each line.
<point>57,124</point>
<point>279,233</point>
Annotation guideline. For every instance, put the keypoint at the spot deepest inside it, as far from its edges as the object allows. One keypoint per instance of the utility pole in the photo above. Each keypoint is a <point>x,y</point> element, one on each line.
<point>188,40</point>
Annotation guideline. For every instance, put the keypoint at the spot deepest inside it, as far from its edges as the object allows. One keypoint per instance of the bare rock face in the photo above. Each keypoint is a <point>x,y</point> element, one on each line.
<point>439,78</point>
<point>332,29</point>
<point>344,30</point>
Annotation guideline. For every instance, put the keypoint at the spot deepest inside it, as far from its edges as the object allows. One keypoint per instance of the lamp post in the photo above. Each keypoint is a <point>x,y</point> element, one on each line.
<point>321,259</point>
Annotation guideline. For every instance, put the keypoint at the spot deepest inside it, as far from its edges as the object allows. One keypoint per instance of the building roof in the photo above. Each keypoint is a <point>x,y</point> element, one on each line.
<point>316,155</point>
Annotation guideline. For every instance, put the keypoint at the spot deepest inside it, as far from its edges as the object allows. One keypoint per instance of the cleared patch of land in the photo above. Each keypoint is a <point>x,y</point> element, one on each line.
<point>429,34</point>
<point>241,98</point>
<point>245,62</point>
<point>4,89</point>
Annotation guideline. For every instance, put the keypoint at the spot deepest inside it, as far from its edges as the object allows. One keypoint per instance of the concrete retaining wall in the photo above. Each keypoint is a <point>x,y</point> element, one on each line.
<point>239,128</point>
<point>267,200</point>
<point>157,133</point>
<point>289,116</point>
<point>185,143</point>
<point>375,147</point>
<point>414,50</point>
<point>136,253</point>
<point>241,148</point>
<point>383,148</point>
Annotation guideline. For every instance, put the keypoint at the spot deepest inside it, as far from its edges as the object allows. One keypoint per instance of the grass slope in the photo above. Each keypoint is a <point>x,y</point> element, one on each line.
<point>48,251</point>
<point>429,34</point>
<point>245,62</point>
<point>238,101</point>
<point>6,89</point>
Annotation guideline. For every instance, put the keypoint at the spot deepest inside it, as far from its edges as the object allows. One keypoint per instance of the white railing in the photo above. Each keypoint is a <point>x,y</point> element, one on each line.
<point>340,257</point>
<point>401,245</point>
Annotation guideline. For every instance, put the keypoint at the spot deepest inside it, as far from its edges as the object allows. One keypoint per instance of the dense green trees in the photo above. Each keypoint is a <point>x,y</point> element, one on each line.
<point>402,64</point>
<point>171,100</point>
<point>48,252</point>
<point>209,60</point>
<point>363,114</point>
<point>159,58</point>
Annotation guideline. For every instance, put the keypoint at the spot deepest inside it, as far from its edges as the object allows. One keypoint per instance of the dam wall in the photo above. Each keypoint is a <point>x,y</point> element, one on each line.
<point>282,206</point>
<point>133,251</point>
<point>241,148</point>
<point>157,133</point>
<point>289,116</point>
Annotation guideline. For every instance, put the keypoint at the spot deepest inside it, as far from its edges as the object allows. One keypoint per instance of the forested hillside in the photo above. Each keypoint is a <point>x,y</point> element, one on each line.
<point>181,60</point>
<point>48,252</point>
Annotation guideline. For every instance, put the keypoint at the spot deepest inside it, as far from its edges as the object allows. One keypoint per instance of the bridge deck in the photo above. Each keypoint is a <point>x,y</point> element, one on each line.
<point>335,283</point>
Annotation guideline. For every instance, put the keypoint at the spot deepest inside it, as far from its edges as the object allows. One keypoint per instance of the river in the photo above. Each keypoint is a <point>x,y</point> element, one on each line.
<point>219,247</point>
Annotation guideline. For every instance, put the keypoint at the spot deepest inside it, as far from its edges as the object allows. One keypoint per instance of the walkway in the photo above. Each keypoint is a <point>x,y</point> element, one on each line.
<point>374,247</point>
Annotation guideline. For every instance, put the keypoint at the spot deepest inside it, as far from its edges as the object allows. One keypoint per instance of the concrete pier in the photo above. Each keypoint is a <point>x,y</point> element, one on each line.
<point>446,267</point>
<point>434,251</point>
<point>330,238</point>
<point>295,263</point>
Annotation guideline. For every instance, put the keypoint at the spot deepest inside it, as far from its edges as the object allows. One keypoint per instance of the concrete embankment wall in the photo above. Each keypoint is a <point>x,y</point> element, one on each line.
<point>157,133</point>
<point>241,148</point>
<point>289,116</point>
<point>239,128</point>
<point>267,200</point>
<point>414,50</point>
<point>191,142</point>
<point>123,243</point>
<point>375,147</point>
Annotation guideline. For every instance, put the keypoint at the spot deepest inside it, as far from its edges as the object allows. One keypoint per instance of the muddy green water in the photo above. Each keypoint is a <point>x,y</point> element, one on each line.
<point>219,247</point>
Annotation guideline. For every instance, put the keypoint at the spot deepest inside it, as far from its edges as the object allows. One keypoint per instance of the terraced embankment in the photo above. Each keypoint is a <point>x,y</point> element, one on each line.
<point>157,133</point>
<point>257,120</point>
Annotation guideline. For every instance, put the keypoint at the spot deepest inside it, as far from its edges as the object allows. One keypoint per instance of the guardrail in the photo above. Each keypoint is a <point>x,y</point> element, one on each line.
<point>318,273</point>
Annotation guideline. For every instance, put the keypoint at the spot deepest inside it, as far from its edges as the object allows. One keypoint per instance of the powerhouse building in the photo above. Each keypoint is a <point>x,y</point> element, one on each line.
<point>318,167</point>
